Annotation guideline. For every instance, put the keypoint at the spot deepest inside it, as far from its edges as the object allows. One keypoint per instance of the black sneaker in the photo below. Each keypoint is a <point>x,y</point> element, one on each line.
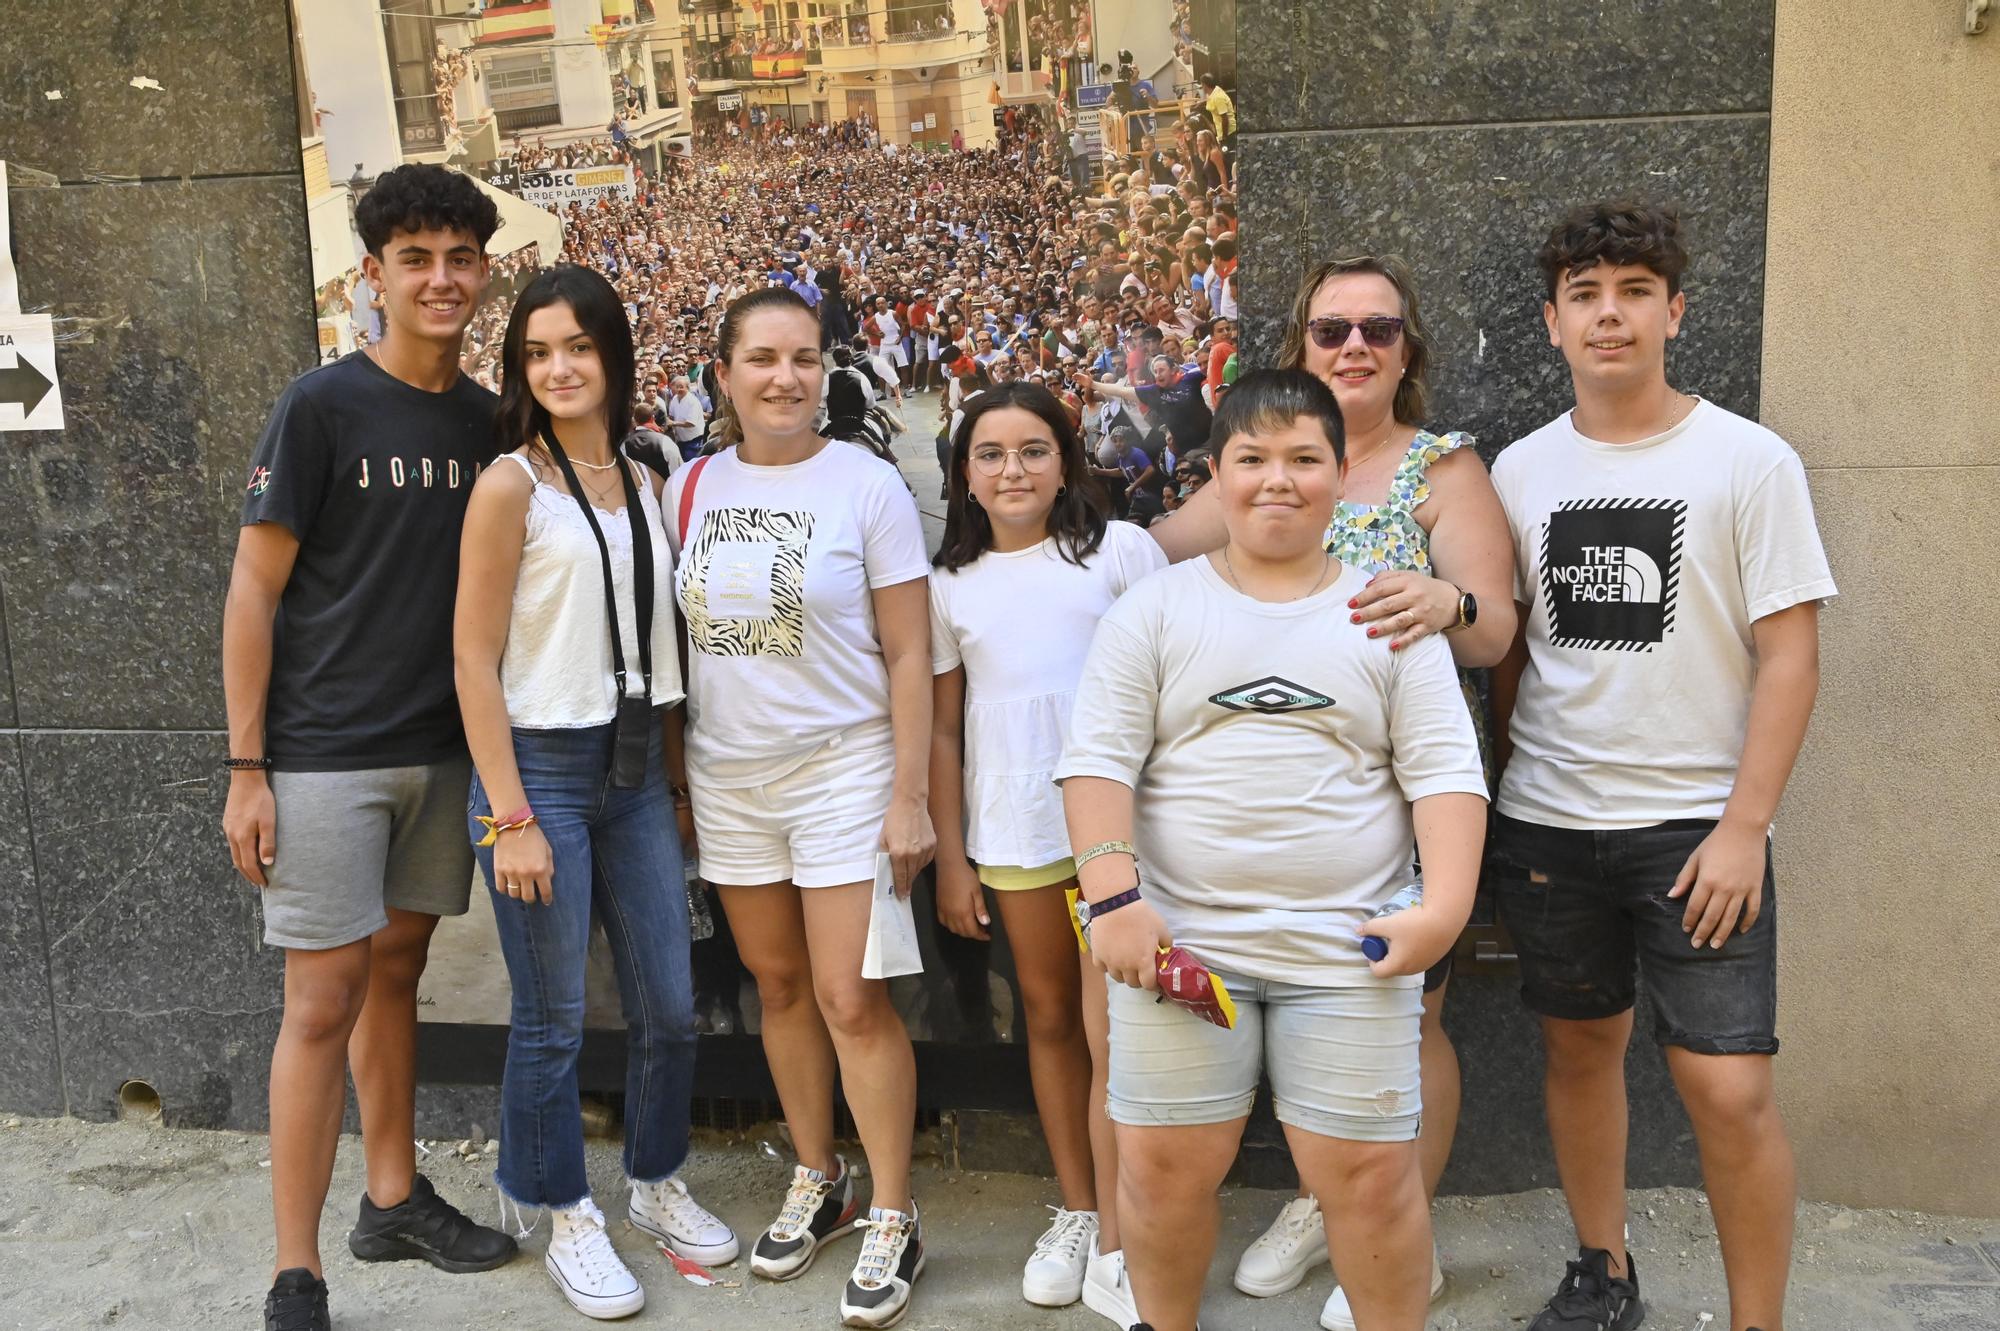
<point>892,1257</point>
<point>428,1227</point>
<point>816,1209</point>
<point>297,1302</point>
<point>1590,1298</point>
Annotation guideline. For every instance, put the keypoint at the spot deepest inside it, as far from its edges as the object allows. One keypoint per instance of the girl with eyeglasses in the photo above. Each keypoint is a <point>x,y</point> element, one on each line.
<point>1029,562</point>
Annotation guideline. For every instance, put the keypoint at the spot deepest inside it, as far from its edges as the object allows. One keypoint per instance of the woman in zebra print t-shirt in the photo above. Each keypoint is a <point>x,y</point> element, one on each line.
<point>802,577</point>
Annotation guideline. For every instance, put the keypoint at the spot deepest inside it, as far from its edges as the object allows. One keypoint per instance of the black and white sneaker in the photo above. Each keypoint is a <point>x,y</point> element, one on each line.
<point>1590,1298</point>
<point>427,1226</point>
<point>892,1257</point>
<point>816,1209</point>
<point>297,1302</point>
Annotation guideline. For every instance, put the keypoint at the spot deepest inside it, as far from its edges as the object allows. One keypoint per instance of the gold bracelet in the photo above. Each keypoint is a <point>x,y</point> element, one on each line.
<point>1106,848</point>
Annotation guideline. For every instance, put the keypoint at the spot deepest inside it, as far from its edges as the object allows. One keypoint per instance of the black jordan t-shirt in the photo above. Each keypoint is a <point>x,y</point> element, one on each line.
<point>372,476</point>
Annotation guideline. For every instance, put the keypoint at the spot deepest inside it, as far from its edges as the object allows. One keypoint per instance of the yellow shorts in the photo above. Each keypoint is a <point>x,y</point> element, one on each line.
<point>1010,878</point>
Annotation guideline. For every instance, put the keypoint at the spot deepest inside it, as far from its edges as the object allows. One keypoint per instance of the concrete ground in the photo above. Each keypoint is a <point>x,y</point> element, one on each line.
<point>129,1225</point>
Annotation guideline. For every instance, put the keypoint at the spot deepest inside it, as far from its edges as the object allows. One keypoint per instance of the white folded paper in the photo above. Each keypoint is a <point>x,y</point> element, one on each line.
<point>892,930</point>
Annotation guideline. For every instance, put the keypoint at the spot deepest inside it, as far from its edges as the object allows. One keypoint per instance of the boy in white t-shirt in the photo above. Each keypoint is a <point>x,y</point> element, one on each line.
<point>1669,574</point>
<point>1245,774</point>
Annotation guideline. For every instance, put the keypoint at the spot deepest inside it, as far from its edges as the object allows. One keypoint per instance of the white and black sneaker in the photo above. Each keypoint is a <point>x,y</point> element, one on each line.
<point>586,1268</point>
<point>817,1208</point>
<point>665,1211</point>
<point>892,1257</point>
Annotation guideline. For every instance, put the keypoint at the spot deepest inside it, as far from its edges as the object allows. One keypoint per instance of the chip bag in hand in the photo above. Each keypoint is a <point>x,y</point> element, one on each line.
<point>1187,982</point>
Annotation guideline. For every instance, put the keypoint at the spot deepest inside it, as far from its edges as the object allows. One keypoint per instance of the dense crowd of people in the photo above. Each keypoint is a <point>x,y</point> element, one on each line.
<point>937,270</point>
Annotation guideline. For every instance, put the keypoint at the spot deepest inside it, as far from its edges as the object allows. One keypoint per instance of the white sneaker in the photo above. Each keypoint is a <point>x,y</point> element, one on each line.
<point>1054,1274</point>
<point>1107,1291</point>
<point>1279,1259</point>
<point>1337,1316</point>
<point>587,1269</point>
<point>665,1211</point>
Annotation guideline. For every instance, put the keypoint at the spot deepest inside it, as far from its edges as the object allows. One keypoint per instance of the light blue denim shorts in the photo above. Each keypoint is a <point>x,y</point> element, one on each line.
<point>1342,1061</point>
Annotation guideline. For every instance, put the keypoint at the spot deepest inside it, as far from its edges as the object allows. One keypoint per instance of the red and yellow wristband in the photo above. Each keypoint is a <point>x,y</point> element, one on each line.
<point>513,822</point>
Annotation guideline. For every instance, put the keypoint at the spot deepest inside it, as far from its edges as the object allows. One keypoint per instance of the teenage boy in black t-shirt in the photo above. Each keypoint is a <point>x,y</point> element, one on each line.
<point>344,728</point>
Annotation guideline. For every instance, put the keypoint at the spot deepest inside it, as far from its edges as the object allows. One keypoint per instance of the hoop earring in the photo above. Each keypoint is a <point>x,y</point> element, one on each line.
<point>1061,490</point>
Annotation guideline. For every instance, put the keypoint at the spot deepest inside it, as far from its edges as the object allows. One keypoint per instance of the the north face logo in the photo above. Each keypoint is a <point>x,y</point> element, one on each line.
<point>1611,571</point>
<point>1271,694</point>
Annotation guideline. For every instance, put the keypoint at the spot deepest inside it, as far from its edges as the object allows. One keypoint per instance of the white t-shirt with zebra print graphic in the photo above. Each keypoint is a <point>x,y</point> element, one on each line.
<point>1643,566</point>
<point>774,586</point>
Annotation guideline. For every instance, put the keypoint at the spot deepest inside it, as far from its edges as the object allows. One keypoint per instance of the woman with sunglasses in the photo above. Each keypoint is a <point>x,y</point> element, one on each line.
<point>1418,511</point>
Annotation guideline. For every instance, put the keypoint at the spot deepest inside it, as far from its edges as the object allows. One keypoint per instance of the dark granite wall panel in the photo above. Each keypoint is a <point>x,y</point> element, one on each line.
<point>116,549</point>
<point>7,714</point>
<point>30,1069</point>
<point>224,105</point>
<point>1321,65</point>
<point>154,948</point>
<point>1469,206</point>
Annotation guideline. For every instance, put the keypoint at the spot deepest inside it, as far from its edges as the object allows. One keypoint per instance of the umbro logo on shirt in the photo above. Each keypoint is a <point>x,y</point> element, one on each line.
<point>1611,572</point>
<point>1271,694</point>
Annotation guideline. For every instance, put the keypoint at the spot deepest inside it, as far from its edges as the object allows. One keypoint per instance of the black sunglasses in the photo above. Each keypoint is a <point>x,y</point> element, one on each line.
<point>1378,331</point>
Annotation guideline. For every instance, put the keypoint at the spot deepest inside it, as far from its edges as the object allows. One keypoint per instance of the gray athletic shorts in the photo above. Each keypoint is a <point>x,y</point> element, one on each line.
<point>353,844</point>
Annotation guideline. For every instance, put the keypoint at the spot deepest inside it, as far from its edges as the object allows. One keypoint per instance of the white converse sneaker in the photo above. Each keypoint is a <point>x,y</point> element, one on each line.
<point>1337,1316</point>
<point>892,1257</point>
<point>1279,1259</point>
<point>1054,1274</point>
<point>586,1268</point>
<point>665,1211</point>
<point>1107,1290</point>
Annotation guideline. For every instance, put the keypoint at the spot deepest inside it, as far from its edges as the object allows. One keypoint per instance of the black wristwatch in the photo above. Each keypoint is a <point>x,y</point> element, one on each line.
<point>1468,612</point>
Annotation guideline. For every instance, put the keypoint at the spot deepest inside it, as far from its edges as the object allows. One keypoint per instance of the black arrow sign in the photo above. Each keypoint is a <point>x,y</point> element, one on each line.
<point>24,384</point>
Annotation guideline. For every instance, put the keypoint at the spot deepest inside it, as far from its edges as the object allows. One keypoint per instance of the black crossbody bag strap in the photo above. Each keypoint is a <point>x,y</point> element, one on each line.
<point>630,731</point>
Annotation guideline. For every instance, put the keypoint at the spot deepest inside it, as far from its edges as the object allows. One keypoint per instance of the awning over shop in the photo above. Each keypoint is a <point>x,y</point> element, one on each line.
<point>521,224</point>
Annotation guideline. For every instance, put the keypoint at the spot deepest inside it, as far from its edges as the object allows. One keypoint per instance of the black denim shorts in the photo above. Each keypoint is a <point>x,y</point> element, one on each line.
<point>1589,912</point>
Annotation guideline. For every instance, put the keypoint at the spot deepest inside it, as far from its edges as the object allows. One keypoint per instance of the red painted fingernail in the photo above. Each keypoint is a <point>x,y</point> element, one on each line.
<point>1355,604</point>
<point>1371,633</point>
<point>1354,619</point>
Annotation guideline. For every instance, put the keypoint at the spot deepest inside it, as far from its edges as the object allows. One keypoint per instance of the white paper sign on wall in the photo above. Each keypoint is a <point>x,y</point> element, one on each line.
<point>29,396</point>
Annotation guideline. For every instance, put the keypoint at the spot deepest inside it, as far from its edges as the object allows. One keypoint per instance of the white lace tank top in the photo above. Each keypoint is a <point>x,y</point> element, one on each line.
<point>556,669</point>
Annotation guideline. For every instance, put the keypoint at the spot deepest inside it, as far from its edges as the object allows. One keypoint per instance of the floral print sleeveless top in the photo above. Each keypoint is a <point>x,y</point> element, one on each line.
<point>1387,538</point>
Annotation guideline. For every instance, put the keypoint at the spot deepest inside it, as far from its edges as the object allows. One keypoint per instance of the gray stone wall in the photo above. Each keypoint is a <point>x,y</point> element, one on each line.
<point>1454,135</point>
<point>173,255</point>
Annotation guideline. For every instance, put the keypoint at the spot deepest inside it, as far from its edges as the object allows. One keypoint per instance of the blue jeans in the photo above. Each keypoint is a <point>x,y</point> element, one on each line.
<point>617,856</point>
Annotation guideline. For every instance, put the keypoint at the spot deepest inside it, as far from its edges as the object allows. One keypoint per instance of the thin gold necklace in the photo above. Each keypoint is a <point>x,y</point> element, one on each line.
<point>1230,569</point>
<point>1380,444</point>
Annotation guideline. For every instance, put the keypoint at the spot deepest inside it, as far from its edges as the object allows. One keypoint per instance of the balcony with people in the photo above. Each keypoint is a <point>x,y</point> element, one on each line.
<point>893,34</point>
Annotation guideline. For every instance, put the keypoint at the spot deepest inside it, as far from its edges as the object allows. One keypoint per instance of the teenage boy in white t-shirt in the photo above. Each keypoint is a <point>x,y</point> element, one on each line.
<point>1245,774</point>
<point>1669,574</point>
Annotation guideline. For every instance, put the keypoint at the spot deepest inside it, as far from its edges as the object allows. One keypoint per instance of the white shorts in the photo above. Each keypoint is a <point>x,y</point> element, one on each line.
<point>819,825</point>
<point>893,353</point>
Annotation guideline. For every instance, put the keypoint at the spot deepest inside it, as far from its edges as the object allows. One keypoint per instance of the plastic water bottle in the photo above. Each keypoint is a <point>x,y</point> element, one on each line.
<point>1375,948</point>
